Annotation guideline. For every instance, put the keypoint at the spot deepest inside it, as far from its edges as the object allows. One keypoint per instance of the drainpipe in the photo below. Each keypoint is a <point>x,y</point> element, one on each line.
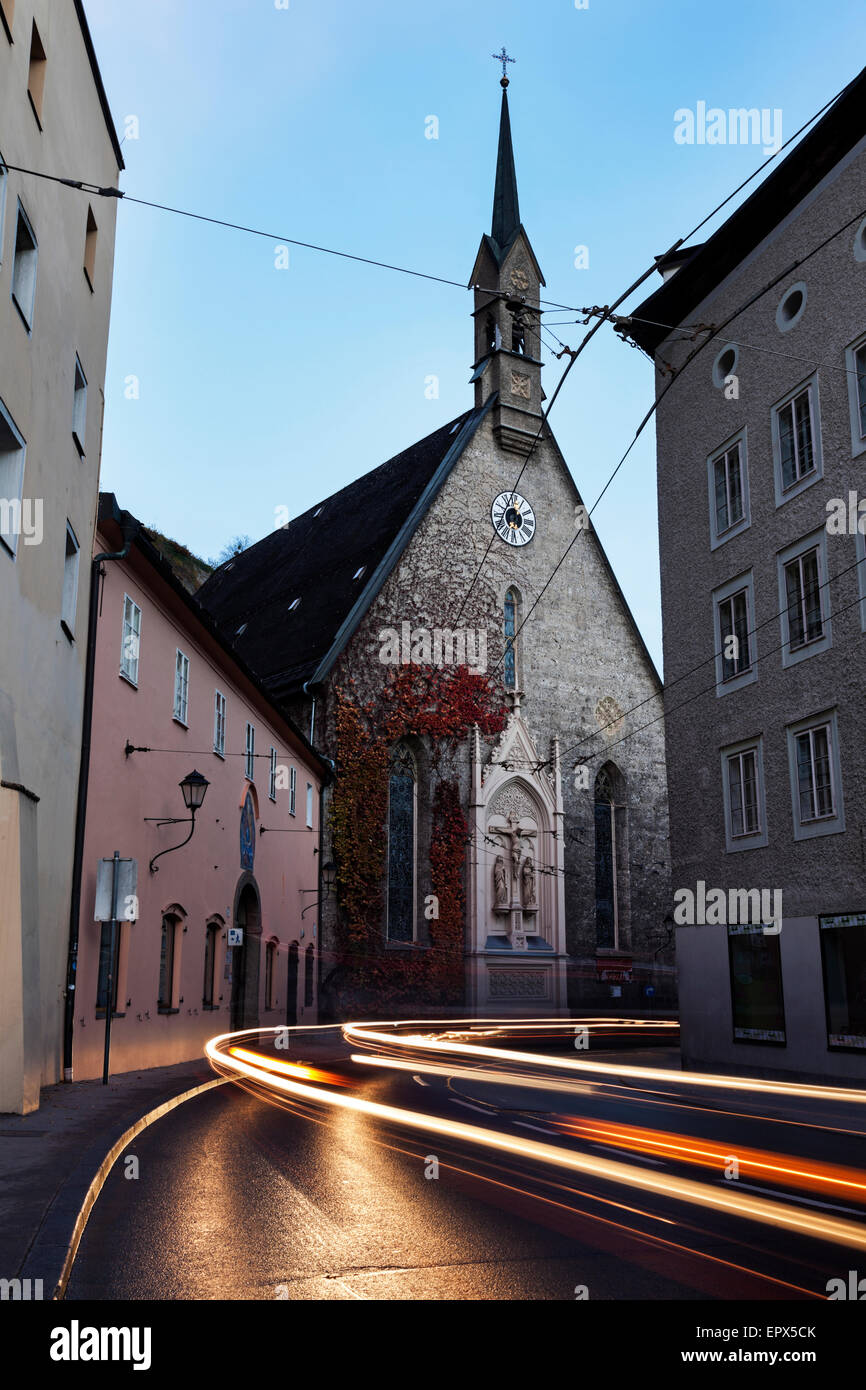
<point>306,690</point>
<point>129,528</point>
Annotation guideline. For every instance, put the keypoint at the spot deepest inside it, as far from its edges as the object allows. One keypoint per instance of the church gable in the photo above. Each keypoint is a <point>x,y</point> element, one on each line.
<point>498,819</point>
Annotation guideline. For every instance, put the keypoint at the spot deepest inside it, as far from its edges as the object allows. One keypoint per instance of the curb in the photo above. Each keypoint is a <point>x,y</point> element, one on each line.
<point>56,1242</point>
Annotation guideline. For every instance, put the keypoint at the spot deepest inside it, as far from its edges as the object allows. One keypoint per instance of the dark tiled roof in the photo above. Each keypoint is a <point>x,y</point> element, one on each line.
<point>122,526</point>
<point>808,163</point>
<point>506,209</point>
<point>316,557</point>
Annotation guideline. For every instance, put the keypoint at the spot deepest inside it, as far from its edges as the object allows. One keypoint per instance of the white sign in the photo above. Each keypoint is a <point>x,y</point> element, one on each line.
<point>236,936</point>
<point>123,893</point>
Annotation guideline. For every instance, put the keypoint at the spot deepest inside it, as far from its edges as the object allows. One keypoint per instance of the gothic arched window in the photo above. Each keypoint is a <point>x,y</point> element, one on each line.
<point>510,663</point>
<point>609,831</point>
<point>401,847</point>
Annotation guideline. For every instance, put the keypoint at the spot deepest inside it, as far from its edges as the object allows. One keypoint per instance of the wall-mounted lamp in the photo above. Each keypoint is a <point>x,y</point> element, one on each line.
<point>194,787</point>
<point>329,882</point>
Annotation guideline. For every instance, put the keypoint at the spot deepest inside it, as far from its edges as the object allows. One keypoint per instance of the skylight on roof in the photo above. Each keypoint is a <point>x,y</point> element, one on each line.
<point>241,630</point>
<point>294,603</point>
<point>358,573</point>
<point>318,511</point>
<point>455,428</point>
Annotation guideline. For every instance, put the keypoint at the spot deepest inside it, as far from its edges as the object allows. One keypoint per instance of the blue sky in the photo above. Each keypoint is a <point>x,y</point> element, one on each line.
<point>262,388</point>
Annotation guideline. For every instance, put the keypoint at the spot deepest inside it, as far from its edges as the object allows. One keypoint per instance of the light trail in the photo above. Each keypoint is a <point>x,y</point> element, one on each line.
<point>791,1172</point>
<point>225,1055</point>
<point>363,1033</point>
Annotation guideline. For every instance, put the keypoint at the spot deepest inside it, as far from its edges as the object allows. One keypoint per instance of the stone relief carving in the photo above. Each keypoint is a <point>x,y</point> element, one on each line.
<point>608,712</point>
<point>519,984</point>
<point>521,385</point>
<point>512,800</point>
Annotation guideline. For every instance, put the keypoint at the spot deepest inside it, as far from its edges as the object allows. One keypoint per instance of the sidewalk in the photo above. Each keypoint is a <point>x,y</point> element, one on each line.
<point>48,1159</point>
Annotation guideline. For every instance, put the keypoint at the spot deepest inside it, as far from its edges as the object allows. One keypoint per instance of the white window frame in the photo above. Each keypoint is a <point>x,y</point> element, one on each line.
<point>272,775</point>
<point>129,666</point>
<point>784,494</point>
<point>293,790</point>
<point>30,285</point>
<point>219,724</point>
<point>754,839</point>
<point>79,408</point>
<point>180,707</point>
<point>309,805</point>
<point>742,583</point>
<point>826,825</point>
<point>250,752</point>
<point>13,494</point>
<point>69,600</point>
<point>739,440</point>
<point>858,436</point>
<point>817,540</point>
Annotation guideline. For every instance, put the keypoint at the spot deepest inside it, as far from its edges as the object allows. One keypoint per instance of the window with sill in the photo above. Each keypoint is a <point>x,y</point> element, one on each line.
<point>130,645</point>
<point>24,268</point>
<point>69,603</point>
<point>36,74</point>
<point>816,776</point>
<point>79,407</point>
<point>219,723</point>
<point>728,491</point>
<point>181,687</point>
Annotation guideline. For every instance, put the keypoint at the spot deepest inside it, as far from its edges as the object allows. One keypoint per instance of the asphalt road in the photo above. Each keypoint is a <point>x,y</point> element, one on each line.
<point>240,1197</point>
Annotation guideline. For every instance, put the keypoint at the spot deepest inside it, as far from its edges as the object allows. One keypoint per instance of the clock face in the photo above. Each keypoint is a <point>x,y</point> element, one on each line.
<point>513,518</point>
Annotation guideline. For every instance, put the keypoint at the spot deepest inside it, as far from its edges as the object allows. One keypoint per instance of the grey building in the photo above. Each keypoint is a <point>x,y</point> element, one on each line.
<point>540,843</point>
<point>759,340</point>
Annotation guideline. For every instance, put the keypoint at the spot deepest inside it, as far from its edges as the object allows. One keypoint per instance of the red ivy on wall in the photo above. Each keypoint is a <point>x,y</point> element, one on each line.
<point>441,704</point>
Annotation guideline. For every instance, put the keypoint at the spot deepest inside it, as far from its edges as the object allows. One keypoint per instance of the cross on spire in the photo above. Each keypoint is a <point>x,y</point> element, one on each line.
<point>503,58</point>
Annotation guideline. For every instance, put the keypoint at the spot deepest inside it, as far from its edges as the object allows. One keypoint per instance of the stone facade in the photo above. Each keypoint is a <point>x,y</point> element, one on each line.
<point>798,334</point>
<point>579,649</point>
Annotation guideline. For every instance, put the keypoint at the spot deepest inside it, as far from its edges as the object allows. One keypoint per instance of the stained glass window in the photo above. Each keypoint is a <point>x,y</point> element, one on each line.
<point>401,847</point>
<point>510,674</point>
<point>606,907</point>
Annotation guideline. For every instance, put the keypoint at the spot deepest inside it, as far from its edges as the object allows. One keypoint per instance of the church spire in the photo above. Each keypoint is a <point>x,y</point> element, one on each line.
<point>506,210</point>
<point>507,281</point>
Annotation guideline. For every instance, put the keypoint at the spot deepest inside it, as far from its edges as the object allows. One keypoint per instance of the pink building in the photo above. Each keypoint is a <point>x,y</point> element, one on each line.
<point>167,686</point>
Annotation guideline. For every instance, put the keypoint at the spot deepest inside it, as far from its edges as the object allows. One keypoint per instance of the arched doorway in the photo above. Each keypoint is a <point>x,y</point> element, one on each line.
<point>245,965</point>
<point>292,987</point>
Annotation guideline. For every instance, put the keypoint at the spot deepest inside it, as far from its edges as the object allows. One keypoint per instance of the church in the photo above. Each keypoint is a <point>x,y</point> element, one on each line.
<point>495,840</point>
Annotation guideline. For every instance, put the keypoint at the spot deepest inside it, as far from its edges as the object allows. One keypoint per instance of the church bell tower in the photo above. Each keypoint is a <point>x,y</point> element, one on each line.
<point>507,281</point>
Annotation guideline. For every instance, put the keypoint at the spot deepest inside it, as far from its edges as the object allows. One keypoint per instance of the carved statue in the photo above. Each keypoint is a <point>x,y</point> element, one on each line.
<point>500,884</point>
<point>527,883</point>
<point>519,329</point>
<point>515,858</point>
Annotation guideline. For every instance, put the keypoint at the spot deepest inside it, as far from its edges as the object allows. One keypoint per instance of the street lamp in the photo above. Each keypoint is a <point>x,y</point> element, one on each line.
<point>193,787</point>
<point>329,883</point>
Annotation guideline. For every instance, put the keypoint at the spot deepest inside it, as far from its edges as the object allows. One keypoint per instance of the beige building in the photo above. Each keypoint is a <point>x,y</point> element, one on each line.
<point>56,261</point>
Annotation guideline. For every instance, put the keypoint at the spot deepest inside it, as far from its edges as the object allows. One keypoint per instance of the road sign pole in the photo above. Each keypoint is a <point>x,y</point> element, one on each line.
<point>112,965</point>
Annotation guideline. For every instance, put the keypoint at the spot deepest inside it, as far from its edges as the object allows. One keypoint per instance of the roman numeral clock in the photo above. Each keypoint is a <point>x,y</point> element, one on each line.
<point>513,518</point>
